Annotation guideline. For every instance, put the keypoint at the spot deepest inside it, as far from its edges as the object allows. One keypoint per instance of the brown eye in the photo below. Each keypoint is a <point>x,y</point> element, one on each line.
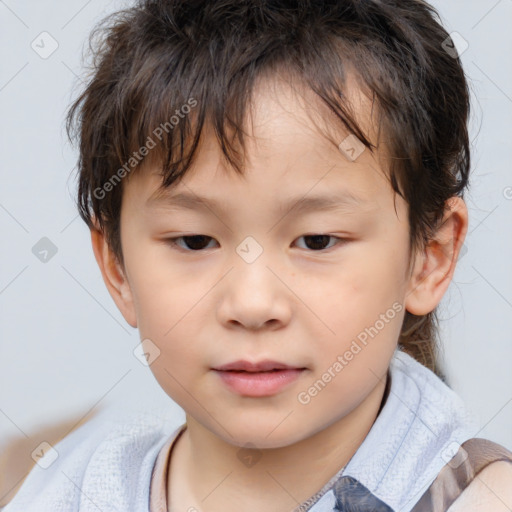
<point>192,242</point>
<point>320,242</point>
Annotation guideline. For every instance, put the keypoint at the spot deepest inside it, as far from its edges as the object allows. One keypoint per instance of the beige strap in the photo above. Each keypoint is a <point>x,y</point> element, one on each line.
<point>472,457</point>
<point>158,486</point>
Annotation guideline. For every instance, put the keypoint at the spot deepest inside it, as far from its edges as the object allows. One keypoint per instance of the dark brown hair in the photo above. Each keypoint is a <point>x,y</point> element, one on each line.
<point>150,61</point>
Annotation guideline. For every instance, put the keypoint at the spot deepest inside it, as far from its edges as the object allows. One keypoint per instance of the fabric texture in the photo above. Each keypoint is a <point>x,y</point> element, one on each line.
<point>107,463</point>
<point>411,440</point>
<point>104,465</point>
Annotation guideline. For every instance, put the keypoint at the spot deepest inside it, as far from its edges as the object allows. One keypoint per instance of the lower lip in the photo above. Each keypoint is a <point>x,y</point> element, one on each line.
<point>259,383</point>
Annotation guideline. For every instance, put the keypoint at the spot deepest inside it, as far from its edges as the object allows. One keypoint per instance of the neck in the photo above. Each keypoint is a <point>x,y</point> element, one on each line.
<point>273,479</point>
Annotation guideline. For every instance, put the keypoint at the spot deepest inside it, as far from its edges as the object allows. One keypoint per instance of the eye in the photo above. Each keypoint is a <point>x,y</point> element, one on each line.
<point>193,242</point>
<point>197,243</point>
<point>317,242</point>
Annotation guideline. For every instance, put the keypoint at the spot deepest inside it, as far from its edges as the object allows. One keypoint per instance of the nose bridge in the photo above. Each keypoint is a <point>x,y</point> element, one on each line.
<point>252,295</point>
<point>250,250</point>
<point>251,265</point>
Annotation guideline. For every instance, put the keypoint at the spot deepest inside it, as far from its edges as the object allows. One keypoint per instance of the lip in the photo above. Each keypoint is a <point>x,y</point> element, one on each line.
<point>261,366</point>
<point>265,378</point>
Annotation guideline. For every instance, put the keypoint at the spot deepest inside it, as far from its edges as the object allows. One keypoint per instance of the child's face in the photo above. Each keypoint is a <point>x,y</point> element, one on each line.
<point>336,312</point>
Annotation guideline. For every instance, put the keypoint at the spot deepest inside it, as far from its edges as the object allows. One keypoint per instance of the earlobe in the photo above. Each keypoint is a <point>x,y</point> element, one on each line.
<point>114,277</point>
<point>435,266</point>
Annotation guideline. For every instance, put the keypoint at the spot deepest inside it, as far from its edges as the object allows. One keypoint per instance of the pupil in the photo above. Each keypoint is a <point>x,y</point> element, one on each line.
<point>318,239</point>
<point>189,240</point>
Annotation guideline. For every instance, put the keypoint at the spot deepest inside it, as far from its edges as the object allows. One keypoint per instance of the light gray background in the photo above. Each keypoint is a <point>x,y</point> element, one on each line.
<point>66,350</point>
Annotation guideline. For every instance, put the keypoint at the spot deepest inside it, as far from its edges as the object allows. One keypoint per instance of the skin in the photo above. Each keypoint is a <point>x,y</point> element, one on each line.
<point>295,304</point>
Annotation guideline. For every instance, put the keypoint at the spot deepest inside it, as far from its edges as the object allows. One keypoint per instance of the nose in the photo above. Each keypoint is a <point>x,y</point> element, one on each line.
<point>254,296</point>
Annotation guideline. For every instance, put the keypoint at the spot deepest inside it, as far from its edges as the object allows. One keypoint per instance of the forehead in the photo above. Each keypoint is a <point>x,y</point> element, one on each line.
<point>284,99</point>
<point>293,144</point>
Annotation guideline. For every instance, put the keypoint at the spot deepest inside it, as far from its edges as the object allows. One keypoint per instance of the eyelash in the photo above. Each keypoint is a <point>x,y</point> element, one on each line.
<point>172,241</point>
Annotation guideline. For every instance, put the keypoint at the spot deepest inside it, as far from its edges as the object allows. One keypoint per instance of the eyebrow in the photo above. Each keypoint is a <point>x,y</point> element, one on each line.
<point>344,200</point>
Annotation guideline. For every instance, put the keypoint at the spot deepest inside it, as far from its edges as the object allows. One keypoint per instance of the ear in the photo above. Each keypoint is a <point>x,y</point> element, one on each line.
<point>114,276</point>
<point>433,269</point>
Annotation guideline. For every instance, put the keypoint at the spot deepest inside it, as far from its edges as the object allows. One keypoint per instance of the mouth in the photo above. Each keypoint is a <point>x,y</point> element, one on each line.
<point>261,379</point>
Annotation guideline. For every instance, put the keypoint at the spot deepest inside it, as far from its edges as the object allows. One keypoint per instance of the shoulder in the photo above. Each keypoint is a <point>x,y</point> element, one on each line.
<point>490,491</point>
<point>109,457</point>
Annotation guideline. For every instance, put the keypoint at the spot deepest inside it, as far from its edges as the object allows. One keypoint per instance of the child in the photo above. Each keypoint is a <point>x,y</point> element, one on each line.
<point>275,196</point>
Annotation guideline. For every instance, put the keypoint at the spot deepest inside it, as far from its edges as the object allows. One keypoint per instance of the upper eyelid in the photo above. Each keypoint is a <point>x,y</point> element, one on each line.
<point>208,236</point>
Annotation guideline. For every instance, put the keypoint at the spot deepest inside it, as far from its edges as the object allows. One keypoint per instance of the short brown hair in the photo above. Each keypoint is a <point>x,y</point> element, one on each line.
<point>149,60</point>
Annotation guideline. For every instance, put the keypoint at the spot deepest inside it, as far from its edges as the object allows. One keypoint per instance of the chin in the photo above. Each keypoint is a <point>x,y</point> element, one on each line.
<point>263,436</point>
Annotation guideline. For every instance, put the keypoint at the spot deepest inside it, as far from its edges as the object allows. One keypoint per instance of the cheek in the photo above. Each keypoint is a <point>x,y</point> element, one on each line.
<point>360,305</point>
<point>162,293</point>
<point>165,319</point>
<point>166,301</point>
<point>165,313</point>
<point>358,290</point>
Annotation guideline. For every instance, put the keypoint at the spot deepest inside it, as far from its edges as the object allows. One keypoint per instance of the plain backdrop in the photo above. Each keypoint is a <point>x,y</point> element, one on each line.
<point>65,349</point>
